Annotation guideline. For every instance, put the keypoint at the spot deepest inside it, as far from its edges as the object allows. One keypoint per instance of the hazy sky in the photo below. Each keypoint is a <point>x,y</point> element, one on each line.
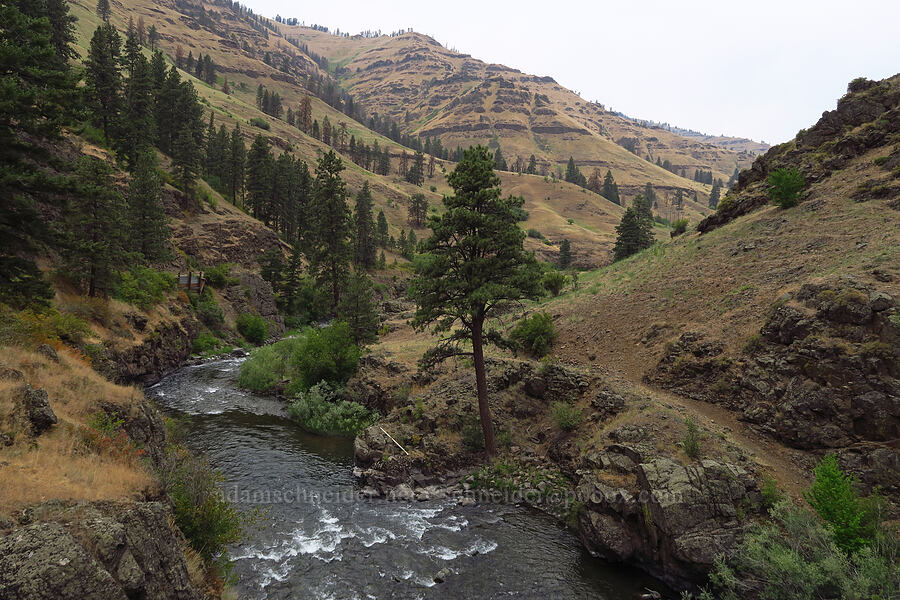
<point>760,68</point>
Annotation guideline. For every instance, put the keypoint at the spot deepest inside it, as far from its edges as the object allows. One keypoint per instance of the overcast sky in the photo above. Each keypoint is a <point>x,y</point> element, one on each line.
<point>761,68</point>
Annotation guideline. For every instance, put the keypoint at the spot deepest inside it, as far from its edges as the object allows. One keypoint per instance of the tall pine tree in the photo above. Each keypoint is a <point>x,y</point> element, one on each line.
<point>328,245</point>
<point>610,189</point>
<point>474,266</point>
<point>237,157</point>
<point>147,221</point>
<point>104,81</point>
<point>357,308</point>
<point>94,227</point>
<point>364,255</point>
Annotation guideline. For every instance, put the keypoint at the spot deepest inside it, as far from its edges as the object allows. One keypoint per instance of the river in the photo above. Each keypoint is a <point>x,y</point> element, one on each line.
<point>316,539</point>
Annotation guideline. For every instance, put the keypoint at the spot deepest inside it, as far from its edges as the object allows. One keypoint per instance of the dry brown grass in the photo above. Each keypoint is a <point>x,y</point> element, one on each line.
<point>63,463</point>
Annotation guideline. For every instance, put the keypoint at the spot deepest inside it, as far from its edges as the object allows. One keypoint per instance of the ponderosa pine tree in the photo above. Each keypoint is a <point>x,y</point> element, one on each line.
<point>357,308</point>
<point>237,156</point>
<point>416,173</point>
<point>714,197</point>
<point>384,162</point>
<point>62,25</point>
<point>365,246</point>
<point>137,117</point>
<point>632,235</point>
<point>102,76</point>
<point>474,266</point>
<point>565,254</point>
<point>595,182</point>
<point>610,189</point>
<point>103,10</point>
<point>147,221</point>
<point>532,165</point>
<point>382,229</point>
<point>94,227</point>
<point>650,196</point>
<point>304,115</point>
<point>271,268</point>
<point>573,174</point>
<point>328,247</point>
<point>418,210</point>
<point>500,161</point>
<point>412,245</point>
<point>259,177</point>
<point>642,208</point>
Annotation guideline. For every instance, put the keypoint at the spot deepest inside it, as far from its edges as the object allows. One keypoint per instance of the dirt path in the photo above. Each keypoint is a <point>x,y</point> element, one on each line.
<point>776,460</point>
<point>780,462</point>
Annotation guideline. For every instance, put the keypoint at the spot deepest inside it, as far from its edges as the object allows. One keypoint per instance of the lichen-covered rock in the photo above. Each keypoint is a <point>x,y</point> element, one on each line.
<point>37,410</point>
<point>675,519</point>
<point>102,550</point>
<point>48,352</point>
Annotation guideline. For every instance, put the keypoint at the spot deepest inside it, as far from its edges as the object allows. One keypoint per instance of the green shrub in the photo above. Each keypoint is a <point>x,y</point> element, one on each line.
<point>433,188</point>
<point>534,334</point>
<point>793,556</point>
<point>259,122</point>
<point>91,134</point>
<point>879,161</point>
<point>852,520</point>
<point>329,354</point>
<point>254,328</point>
<point>522,215</point>
<point>679,227</point>
<point>142,286</point>
<point>315,355</point>
<point>30,327</point>
<point>89,309</point>
<point>534,233</point>
<point>270,365</point>
<point>554,282</point>
<point>106,424</point>
<point>771,495</point>
<point>566,416</point>
<point>318,410</point>
<point>217,276</point>
<point>206,518</point>
<point>211,314</point>
<point>206,343</point>
<point>785,185</point>
<point>754,342</point>
<point>472,434</point>
<point>692,439</point>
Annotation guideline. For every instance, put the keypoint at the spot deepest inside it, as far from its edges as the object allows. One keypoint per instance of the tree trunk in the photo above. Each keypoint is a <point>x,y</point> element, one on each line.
<point>484,410</point>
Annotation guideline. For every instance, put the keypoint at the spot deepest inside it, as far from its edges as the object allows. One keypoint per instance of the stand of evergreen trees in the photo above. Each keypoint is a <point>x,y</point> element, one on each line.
<point>136,103</point>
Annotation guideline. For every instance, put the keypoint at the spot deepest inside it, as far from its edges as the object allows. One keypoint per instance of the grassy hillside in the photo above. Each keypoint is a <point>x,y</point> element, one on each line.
<point>240,51</point>
<point>433,91</point>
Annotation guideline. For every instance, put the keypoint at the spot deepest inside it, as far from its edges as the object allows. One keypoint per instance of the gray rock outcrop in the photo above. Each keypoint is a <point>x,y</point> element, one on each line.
<point>94,551</point>
<point>673,520</point>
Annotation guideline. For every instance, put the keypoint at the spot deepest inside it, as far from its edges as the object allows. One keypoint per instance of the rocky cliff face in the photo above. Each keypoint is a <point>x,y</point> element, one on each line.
<point>867,117</point>
<point>821,374</point>
<point>99,550</point>
<point>164,349</point>
<point>670,519</point>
